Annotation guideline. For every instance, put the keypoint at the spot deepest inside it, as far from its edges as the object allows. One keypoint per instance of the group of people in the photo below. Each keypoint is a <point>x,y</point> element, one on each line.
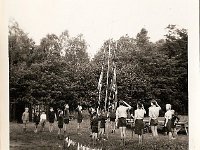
<point>62,117</point>
<point>116,116</point>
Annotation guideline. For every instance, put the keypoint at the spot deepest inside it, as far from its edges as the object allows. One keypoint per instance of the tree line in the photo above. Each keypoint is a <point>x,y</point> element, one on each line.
<point>59,69</point>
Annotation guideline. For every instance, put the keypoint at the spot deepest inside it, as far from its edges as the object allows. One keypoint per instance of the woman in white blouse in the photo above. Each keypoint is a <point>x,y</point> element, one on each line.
<point>153,117</point>
<point>168,117</point>
<point>138,119</point>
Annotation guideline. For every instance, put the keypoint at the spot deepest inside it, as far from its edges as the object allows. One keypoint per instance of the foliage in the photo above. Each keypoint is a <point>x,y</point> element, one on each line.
<point>59,70</point>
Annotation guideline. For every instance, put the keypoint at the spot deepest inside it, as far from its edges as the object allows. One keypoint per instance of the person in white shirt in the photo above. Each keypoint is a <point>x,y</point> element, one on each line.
<point>138,119</point>
<point>121,115</point>
<point>43,119</point>
<point>168,123</point>
<point>153,117</point>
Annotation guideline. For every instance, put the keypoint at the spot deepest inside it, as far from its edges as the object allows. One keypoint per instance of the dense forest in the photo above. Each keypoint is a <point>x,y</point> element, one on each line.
<point>59,69</point>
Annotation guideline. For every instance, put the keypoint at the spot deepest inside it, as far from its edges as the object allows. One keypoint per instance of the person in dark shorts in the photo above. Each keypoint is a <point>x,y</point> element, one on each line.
<point>138,119</point>
<point>168,123</point>
<point>121,115</point>
<point>175,119</point>
<point>91,111</point>
<point>112,118</point>
<point>153,117</point>
<point>102,119</point>
<point>79,117</point>
<point>52,118</point>
<point>60,123</point>
<point>94,126</point>
<point>36,121</point>
<point>66,117</point>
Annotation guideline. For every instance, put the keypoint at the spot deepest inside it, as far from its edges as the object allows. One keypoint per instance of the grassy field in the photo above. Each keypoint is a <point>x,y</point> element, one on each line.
<point>49,141</point>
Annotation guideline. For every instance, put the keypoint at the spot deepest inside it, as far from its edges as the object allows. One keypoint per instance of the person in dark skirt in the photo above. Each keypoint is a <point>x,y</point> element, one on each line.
<point>60,123</point>
<point>79,118</point>
<point>36,121</point>
<point>52,118</point>
<point>94,126</point>
<point>138,119</point>
<point>66,117</point>
<point>168,122</point>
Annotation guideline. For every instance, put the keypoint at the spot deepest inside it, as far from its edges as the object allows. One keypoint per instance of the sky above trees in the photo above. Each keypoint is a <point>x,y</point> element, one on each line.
<point>98,20</point>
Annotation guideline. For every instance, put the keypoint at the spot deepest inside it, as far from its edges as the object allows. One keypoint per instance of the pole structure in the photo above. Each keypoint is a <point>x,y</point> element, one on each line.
<point>106,98</point>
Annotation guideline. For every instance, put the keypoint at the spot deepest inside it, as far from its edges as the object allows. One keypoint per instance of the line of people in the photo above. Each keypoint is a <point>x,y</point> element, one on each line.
<point>117,118</point>
<point>62,117</point>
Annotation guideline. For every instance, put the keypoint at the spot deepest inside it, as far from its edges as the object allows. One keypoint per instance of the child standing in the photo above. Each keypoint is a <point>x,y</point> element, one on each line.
<point>175,119</point>
<point>36,120</point>
<point>102,119</point>
<point>168,123</point>
<point>60,123</point>
<point>25,119</point>
<point>52,118</point>
<point>94,126</point>
<point>112,118</point>
<point>138,119</point>
<point>79,118</point>
<point>66,117</point>
<point>43,119</point>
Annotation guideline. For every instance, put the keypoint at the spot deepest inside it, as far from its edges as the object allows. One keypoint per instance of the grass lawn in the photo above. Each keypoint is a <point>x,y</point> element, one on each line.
<point>49,141</point>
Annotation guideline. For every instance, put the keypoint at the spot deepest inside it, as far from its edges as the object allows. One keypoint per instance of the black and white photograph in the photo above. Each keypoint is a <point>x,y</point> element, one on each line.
<point>98,74</point>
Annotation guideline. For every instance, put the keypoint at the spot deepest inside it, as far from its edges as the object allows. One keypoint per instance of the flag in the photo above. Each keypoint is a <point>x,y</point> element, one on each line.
<point>114,82</point>
<point>100,80</point>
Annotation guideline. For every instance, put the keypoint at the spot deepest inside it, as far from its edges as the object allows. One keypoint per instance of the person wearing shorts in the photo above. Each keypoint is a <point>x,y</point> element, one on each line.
<point>52,118</point>
<point>79,118</point>
<point>25,119</point>
<point>94,126</point>
<point>168,122</point>
<point>60,123</point>
<point>102,119</point>
<point>175,119</point>
<point>138,119</point>
<point>66,117</point>
<point>112,118</point>
<point>153,117</point>
<point>121,115</point>
<point>36,121</point>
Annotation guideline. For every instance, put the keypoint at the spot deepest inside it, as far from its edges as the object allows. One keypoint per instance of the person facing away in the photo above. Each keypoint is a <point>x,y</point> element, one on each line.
<point>153,117</point>
<point>94,126</point>
<point>138,119</point>
<point>66,117</point>
<point>60,123</point>
<point>79,117</point>
<point>112,116</point>
<point>102,119</point>
<point>43,119</point>
<point>168,123</point>
<point>52,118</point>
<point>121,115</point>
<point>25,119</point>
<point>36,121</point>
<point>175,119</point>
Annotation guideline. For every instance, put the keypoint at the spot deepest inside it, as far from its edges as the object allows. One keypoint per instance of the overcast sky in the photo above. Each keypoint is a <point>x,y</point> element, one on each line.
<point>98,20</point>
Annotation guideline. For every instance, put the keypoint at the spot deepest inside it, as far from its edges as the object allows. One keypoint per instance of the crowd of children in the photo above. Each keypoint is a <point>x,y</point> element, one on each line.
<point>99,119</point>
